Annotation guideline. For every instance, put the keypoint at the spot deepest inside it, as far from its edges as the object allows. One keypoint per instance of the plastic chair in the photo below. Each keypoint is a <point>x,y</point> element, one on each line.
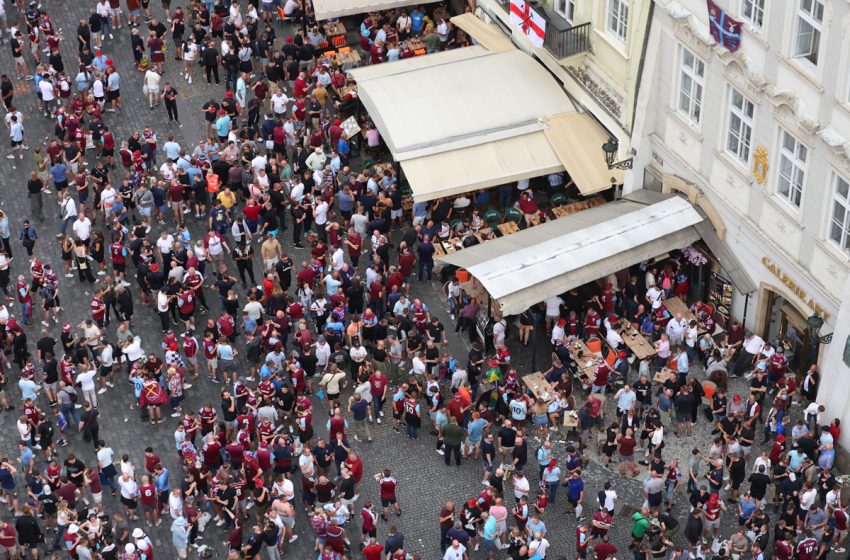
<point>493,218</point>
<point>594,345</point>
<point>419,52</point>
<point>513,214</point>
<point>611,358</point>
<point>558,199</point>
<point>344,50</point>
<point>339,41</point>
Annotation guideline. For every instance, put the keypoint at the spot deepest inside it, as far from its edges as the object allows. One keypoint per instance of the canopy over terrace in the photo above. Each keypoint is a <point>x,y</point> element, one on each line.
<point>474,118</point>
<point>523,269</point>
<point>328,9</point>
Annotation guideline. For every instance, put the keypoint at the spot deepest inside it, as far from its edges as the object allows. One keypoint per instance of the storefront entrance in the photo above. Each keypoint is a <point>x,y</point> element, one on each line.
<point>785,325</point>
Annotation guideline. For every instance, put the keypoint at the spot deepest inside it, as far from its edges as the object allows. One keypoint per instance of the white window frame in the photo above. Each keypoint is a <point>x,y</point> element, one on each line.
<point>791,168</point>
<point>617,19</point>
<point>842,224</point>
<point>752,11</point>
<point>691,86</point>
<point>566,9</point>
<point>740,116</point>
<point>807,14</point>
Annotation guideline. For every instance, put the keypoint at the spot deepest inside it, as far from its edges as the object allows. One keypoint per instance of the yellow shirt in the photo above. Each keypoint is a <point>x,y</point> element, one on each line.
<point>228,200</point>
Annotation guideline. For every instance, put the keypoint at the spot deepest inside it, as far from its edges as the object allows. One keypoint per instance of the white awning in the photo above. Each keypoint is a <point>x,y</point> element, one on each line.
<point>480,167</point>
<point>523,269</point>
<point>471,98</point>
<point>328,9</point>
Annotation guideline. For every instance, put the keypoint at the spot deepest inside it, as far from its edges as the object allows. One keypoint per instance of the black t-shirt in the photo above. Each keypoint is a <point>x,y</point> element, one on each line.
<point>51,371</point>
<point>758,485</point>
<point>346,488</point>
<point>46,344</point>
<point>507,436</point>
<point>520,453</point>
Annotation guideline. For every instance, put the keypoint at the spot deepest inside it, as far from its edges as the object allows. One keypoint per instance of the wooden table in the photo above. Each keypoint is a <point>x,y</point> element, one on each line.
<point>535,219</point>
<point>350,58</point>
<point>663,375</point>
<point>334,28</point>
<point>570,419</point>
<point>579,348</point>
<point>676,306</point>
<point>508,228</point>
<point>638,344</point>
<point>438,249</point>
<point>568,209</point>
<point>415,43</point>
<point>343,90</point>
<point>379,168</point>
<point>538,385</point>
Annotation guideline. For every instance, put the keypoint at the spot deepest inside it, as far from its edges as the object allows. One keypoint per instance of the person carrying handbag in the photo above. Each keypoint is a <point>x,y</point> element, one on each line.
<point>28,236</point>
<point>81,255</point>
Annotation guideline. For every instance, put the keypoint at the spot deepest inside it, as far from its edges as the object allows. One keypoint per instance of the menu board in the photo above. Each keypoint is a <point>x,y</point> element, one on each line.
<point>720,293</point>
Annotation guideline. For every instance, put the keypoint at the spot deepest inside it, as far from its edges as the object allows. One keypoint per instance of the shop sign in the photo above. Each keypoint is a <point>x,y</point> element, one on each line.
<point>795,288</point>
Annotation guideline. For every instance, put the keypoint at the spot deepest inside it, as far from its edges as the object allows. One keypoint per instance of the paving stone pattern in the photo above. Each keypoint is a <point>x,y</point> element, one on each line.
<point>425,483</point>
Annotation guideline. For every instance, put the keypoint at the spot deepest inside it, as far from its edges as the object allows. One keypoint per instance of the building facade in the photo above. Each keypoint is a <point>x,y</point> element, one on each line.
<point>759,138</point>
<point>594,48</point>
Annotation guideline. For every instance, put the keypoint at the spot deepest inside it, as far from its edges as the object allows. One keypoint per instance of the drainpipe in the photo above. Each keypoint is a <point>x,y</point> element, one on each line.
<point>641,63</point>
<point>746,304</point>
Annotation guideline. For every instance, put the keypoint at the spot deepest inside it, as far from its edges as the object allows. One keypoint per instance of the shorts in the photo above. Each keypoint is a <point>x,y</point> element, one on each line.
<point>98,497</point>
<point>112,95</point>
<point>487,545</point>
<point>19,60</point>
<point>582,553</point>
<point>186,316</point>
<point>146,212</point>
<point>387,502</point>
<point>711,523</point>
<point>395,214</point>
<point>683,416</point>
<point>627,458</point>
<point>51,386</point>
<point>369,532</point>
<point>148,507</point>
<point>473,444</point>
<point>129,503</point>
<point>288,522</point>
<point>105,371</point>
<point>508,450</point>
<point>16,143</point>
<point>182,553</point>
<point>501,526</point>
<point>212,363</point>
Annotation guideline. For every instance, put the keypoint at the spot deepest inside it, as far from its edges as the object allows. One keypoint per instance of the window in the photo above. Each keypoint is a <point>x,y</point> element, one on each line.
<point>691,75</point>
<point>618,18</point>
<point>740,126</point>
<point>753,12</point>
<point>566,8</point>
<point>807,35</point>
<point>792,169</point>
<point>839,230</point>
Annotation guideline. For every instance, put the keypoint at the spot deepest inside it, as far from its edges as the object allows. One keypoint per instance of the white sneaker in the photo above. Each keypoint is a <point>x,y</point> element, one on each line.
<point>69,275</point>
<point>378,420</point>
<point>187,385</point>
<point>190,81</point>
<point>101,273</point>
<point>293,538</point>
<point>440,452</point>
<point>108,384</point>
<point>110,36</point>
<point>45,323</point>
<point>101,391</point>
<point>175,415</point>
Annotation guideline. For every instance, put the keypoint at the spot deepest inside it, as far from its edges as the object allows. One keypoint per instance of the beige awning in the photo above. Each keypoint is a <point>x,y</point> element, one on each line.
<point>523,269</point>
<point>577,139</point>
<point>480,167</point>
<point>328,9</point>
<point>487,35</point>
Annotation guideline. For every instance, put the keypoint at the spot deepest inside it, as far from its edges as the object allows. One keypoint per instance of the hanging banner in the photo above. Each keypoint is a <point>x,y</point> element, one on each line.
<point>531,22</point>
<point>725,30</point>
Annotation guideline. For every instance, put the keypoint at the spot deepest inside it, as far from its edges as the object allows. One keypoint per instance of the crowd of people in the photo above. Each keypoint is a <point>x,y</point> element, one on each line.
<point>337,325</point>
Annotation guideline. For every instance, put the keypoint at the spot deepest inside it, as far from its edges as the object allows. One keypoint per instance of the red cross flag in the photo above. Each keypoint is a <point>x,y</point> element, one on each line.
<point>531,22</point>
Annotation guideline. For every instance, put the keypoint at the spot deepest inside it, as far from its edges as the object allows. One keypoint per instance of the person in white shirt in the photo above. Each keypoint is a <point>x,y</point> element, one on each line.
<point>676,329</point>
<point>48,95</point>
<point>164,245</point>
<point>613,337</point>
<point>418,365</point>
<point>752,347</point>
<point>320,216</point>
<point>16,134</point>
<point>278,103</point>
<point>455,552</point>
<point>82,227</point>
<point>86,381</point>
<point>553,310</point>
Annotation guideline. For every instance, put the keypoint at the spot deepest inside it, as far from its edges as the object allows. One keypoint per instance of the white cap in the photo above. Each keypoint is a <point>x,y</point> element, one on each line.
<point>138,533</point>
<point>73,528</point>
<point>129,548</point>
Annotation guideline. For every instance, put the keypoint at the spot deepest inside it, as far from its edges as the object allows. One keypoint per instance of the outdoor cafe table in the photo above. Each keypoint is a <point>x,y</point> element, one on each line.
<point>663,375</point>
<point>508,228</point>
<point>638,344</point>
<point>676,306</point>
<point>334,28</point>
<point>351,57</point>
<point>540,388</point>
<point>581,354</point>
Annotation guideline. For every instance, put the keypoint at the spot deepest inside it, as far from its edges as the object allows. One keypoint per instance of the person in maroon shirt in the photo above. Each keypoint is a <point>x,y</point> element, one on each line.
<point>306,276</point>
<point>354,243</point>
<point>604,549</point>
<point>406,262</point>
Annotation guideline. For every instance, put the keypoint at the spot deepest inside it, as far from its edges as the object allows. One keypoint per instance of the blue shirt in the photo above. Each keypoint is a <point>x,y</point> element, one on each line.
<point>26,456</point>
<point>161,482</point>
<point>249,324</point>
<point>59,172</point>
<point>222,125</point>
<point>747,508</point>
<point>576,488</point>
<point>27,387</point>
<point>225,352</point>
<point>475,430</point>
<point>416,21</point>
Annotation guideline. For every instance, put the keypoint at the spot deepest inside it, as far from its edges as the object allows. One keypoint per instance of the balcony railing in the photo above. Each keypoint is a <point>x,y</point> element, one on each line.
<point>561,42</point>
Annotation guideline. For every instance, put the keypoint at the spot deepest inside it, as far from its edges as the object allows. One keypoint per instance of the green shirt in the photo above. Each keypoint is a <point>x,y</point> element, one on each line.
<point>639,526</point>
<point>453,434</point>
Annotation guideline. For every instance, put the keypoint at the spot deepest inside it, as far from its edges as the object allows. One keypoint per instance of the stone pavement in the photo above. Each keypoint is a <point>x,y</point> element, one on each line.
<point>425,482</point>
